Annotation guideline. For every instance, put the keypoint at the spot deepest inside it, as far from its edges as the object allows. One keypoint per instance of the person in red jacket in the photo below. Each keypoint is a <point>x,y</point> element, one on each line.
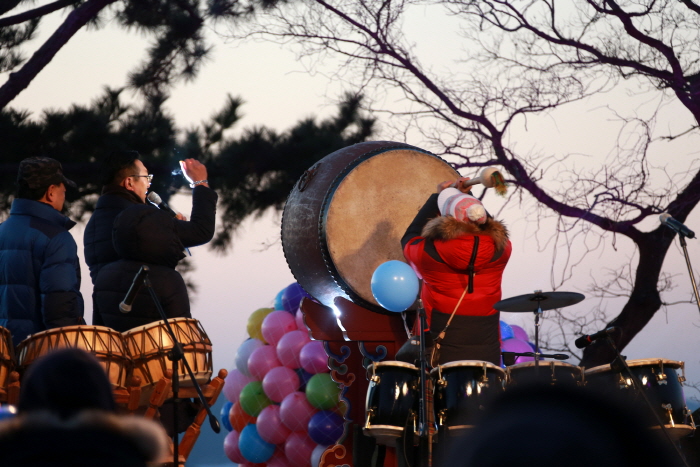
<point>459,251</point>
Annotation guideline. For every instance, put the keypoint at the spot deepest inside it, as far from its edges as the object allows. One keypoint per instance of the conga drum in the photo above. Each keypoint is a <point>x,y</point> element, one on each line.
<point>553,373</point>
<point>7,361</point>
<point>661,383</point>
<point>148,347</point>
<point>102,342</point>
<point>346,216</point>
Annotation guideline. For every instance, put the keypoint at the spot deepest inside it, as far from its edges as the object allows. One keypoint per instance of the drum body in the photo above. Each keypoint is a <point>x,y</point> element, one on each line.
<point>104,343</point>
<point>346,216</point>
<point>661,383</point>
<point>462,390</point>
<point>548,372</point>
<point>148,347</point>
<point>392,401</point>
<point>7,359</point>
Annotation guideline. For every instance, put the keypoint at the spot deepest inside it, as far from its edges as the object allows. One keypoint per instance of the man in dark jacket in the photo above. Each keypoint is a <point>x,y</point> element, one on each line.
<point>39,268</point>
<point>126,181</point>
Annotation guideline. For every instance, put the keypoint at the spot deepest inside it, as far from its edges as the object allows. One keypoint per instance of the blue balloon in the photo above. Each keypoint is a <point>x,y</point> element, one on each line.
<point>278,300</point>
<point>291,297</point>
<point>253,447</point>
<point>325,427</point>
<point>7,411</point>
<point>225,421</point>
<point>304,377</point>
<point>506,331</point>
<point>395,285</point>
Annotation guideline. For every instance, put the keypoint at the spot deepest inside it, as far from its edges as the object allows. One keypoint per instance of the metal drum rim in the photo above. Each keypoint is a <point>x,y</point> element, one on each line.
<point>467,363</point>
<point>637,362</point>
<point>392,363</point>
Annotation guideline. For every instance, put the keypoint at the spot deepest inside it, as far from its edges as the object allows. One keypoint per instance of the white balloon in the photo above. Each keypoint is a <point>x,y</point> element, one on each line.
<point>244,352</point>
<point>316,455</point>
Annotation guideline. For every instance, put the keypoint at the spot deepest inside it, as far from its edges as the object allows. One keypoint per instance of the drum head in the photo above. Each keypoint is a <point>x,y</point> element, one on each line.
<point>468,364</point>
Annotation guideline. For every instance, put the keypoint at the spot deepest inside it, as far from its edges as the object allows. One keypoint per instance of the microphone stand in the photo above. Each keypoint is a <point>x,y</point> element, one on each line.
<point>425,443</point>
<point>175,356</point>
<point>684,246</point>
<point>619,364</point>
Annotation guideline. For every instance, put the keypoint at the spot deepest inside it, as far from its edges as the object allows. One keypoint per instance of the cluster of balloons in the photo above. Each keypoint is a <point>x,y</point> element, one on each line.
<point>515,339</point>
<point>282,406</point>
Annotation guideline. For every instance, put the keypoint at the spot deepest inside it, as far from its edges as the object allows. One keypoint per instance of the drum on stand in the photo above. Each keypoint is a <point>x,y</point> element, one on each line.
<point>392,405</point>
<point>346,216</point>
<point>148,347</point>
<point>547,372</point>
<point>661,383</point>
<point>104,343</point>
<point>462,390</point>
<point>7,361</point>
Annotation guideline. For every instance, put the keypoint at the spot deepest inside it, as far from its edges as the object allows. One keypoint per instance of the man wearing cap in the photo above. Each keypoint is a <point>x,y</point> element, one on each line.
<point>39,268</point>
<point>460,253</point>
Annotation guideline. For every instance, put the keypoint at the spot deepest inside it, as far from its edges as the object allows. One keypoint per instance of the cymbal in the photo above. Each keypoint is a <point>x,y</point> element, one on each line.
<point>543,300</point>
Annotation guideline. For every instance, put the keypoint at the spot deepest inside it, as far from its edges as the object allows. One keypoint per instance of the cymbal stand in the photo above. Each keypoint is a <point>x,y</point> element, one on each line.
<point>690,269</point>
<point>538,314</point>
<point>618,365</point>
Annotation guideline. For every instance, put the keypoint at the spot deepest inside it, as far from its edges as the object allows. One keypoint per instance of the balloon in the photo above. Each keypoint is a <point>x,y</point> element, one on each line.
<point>279,461</point>
<point>278,300</point>
<point>233,384</point>
<point>253,398</point>
<point>506,331</point>
<point>313,357</point>
<point>231,447</point>
<point>316,455</point>
<point>238,418</point>
<point>255,321</point>
<point>243,353</point>
<point>225,411</point>
<point>299,319</point>
<point>270,426</point>
<point>289,348</point>
<point>516,345</point>
<point>394,285</point>
<point>295,411</point>
<point>253,447</point>
<point>277,324</point>
<point>326,427</point>
<point>262,360</point>
<point>280,382</point>
<point>322,392</point>
<point>298,449</point>
<point>519,333</point>
<point>291,298</point>
<point>304,377</point>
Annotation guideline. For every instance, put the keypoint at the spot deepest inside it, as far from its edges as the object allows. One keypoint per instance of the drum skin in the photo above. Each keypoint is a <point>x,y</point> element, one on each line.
<point>549,372</point>
<point>347,213</point>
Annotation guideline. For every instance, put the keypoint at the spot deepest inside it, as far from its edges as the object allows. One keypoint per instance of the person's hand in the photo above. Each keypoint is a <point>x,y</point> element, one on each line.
<point>459,184</point>
<point>443,185</point>
<point>193,170</point>
<point>180,216</point>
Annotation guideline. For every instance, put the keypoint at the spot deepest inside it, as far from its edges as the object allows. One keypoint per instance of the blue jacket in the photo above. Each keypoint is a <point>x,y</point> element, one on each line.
<point>39,271</point>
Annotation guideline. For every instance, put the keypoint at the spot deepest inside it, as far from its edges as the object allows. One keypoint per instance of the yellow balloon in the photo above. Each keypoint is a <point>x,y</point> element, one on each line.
<point>255,322</point>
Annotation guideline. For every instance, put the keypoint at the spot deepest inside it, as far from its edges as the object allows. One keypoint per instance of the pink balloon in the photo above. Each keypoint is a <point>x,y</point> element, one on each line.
<point>517,345</point>
<point>262,360</point>
<point>231,447</point>
<point>299,318</point>
<point>279,382</point>
<point>289,347</point>
<point>519,333</point>
<point>234,383</point>
<point>279,459</point>
<point>277,324</point>
<point>298,449</point>
<point>270,426</point>
<point>295,411</point>
<point>313,358</point>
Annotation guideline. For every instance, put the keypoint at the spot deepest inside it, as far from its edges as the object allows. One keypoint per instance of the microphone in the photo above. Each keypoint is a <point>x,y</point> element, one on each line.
<point>585,341</point>
<point>155,199</point>
<point>676,226</point>
<point>125,306</point>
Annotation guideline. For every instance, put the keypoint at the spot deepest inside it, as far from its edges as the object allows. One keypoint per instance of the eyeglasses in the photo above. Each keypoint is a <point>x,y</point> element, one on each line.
<point>149,176</point>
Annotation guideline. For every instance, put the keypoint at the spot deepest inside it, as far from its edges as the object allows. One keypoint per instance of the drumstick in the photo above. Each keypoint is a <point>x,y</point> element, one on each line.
<point>490,177</point>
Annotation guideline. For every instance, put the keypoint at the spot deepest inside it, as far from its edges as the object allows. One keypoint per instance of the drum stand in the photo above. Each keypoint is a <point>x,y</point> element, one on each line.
<point>175,356</point>
<point>619,365</point>
<point>425,442</point>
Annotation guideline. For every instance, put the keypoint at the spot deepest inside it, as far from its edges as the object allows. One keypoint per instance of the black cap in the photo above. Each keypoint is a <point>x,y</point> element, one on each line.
<point>40,172</point>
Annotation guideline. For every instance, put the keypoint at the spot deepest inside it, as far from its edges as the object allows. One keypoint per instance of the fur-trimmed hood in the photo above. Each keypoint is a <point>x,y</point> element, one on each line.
<point>448,228</point>
<point>147,437</point>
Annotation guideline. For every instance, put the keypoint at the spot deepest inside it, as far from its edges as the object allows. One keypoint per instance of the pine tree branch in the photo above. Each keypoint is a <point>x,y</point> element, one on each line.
<point>35,13</point>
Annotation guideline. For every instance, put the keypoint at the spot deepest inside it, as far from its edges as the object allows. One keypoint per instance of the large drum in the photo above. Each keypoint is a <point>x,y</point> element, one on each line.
<point>392,405</point>
<point>346,216</point>
<point>104,343</point>
<point>7,361</point>
<point>552,373</point>
<point>462,390</point>
<point>148,347</point>
<point>661,384</point>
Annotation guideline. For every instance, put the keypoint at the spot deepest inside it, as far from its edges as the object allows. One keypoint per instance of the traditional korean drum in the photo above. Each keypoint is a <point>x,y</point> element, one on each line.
<point>346,216</point>
<point>104,343</point>
<point>7,360</point>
